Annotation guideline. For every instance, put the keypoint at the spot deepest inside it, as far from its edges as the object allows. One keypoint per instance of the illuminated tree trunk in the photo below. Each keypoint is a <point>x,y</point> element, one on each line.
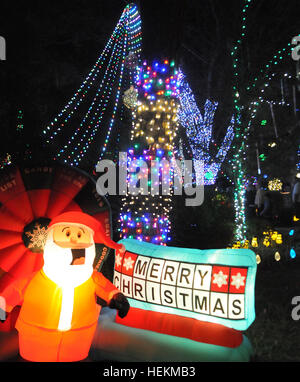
<point>146,206</point>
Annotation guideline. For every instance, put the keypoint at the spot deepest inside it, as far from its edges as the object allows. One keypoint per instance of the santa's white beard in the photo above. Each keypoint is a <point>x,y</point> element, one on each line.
<point>57,267</point>
<point>57,264</point>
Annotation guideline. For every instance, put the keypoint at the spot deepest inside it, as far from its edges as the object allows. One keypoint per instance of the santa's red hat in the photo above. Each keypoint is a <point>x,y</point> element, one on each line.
<point>78,217</point>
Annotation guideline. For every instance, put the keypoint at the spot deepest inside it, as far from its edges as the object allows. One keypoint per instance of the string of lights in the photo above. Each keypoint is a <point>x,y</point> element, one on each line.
<point>198,130</point>
<point>109,68</point>
<point>242,130</point>
<point>239,143</point>
<point>88,135</point>
<point>145,210</point>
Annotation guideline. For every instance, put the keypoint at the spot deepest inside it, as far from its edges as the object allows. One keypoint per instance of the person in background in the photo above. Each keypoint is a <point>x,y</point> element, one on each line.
<point>267,211</point>
<point>250,198</point>
<point>259,199</point>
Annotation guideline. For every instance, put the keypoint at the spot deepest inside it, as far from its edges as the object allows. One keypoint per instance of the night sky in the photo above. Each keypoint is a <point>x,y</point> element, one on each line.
<point>51,46</point>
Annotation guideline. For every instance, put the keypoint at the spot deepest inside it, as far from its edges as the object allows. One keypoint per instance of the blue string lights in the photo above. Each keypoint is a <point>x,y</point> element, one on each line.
<point>198,129</point>
<point>108,71</point>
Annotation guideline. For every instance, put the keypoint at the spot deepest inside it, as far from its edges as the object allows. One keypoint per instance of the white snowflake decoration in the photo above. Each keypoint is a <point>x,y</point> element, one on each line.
<point>128,263</point>
<point>118,260</point>
<point>37,237</point>
<point>238,280</point>
<point>220,279</point>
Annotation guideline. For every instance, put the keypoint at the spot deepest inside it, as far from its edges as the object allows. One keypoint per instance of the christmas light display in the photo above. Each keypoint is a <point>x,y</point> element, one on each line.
<point>239,152</point>
<point>292,253</point>
<point>107,76</point>
<point>146,217</point>
<point>121,53</point>
<point>198,129</point>
<point>242,127</point>
<point>131,61</point>
<point>275,185</point>
<point>4,161</point>
<point>271,245</point>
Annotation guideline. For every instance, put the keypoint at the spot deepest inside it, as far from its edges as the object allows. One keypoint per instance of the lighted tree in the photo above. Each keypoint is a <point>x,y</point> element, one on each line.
<point>146,207</point>
<point>199,131</point>
<point>248,98</point>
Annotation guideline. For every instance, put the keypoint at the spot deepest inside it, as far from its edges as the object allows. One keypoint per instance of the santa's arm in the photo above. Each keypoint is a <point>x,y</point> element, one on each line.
<point>108,292</point>
<point>104,288</point>
<point>12,295</point>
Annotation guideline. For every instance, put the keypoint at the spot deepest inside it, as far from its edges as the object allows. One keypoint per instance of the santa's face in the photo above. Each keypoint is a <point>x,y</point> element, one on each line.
<point>74,237</point>
<point>69,252</point>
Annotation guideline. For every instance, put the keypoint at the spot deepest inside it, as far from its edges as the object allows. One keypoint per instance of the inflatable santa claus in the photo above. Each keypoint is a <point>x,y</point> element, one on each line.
<point>59,312</point>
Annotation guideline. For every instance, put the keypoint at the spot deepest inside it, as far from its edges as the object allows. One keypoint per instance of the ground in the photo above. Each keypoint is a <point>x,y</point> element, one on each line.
<point>274,334</point>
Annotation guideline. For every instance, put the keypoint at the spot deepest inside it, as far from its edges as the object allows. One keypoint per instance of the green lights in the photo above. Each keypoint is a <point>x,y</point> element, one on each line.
<point>209,175</point>
<point>238,165</point>
<point>243,126</point>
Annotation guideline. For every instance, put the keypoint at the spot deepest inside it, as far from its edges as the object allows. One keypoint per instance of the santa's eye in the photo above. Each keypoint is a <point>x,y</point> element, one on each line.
<point>79,235</point>
<point>68,233</point>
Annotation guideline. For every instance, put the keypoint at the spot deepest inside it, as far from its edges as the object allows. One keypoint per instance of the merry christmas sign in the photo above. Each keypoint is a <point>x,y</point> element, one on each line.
<point>209,285</point>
